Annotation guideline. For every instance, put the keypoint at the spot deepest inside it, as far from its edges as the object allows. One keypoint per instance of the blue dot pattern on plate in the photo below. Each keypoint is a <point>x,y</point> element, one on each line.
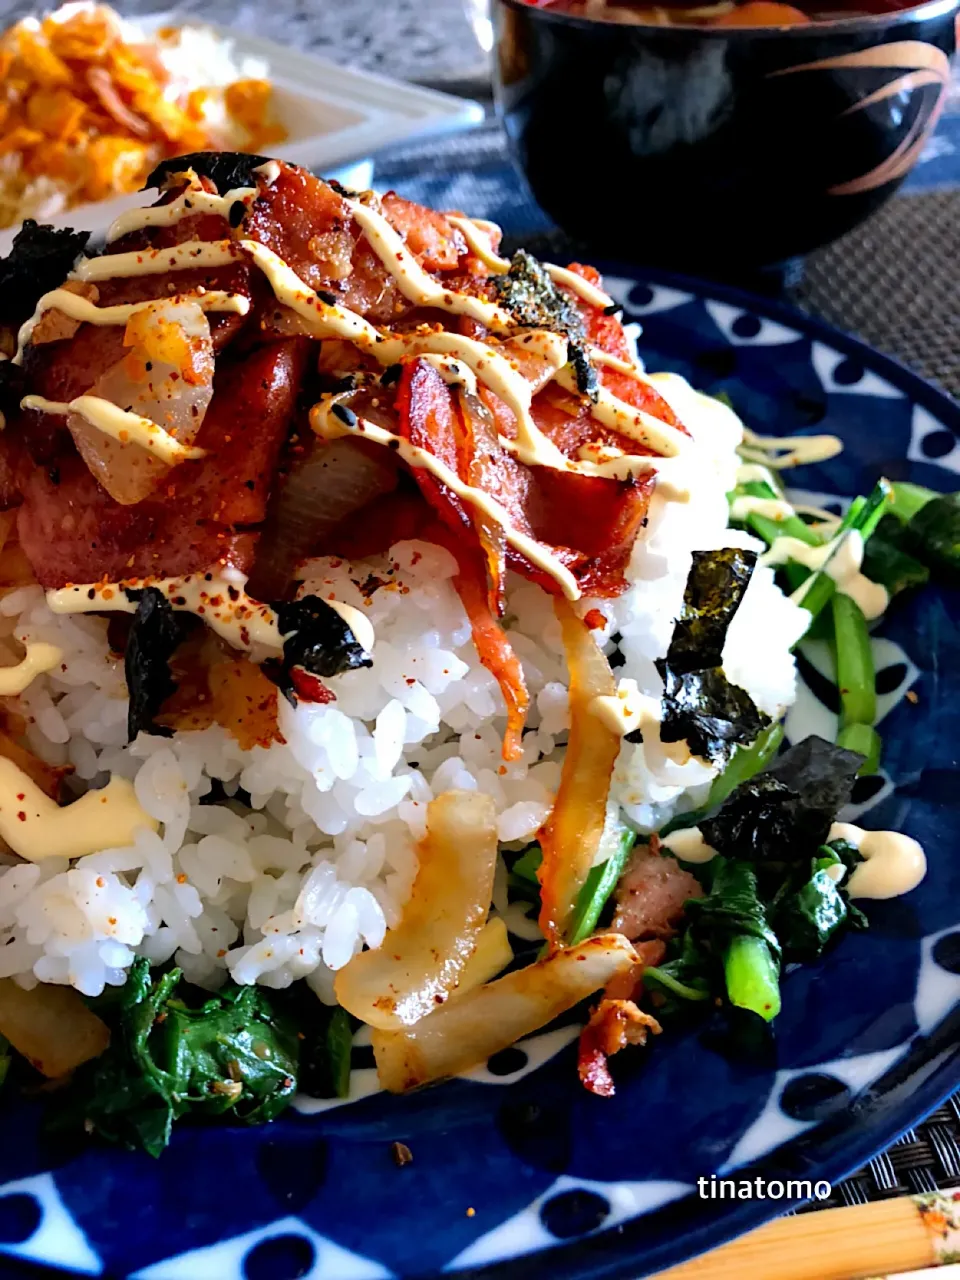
<point>519,1158</point>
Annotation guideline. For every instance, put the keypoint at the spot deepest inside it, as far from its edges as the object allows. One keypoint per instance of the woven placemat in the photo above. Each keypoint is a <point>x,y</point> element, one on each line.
<point>895,282</point>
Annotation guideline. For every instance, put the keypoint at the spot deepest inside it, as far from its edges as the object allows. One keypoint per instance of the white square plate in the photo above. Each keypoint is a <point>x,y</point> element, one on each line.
<point>332,115</point>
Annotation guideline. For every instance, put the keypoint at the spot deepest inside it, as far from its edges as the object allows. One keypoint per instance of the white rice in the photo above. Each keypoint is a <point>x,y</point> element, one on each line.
<point>322,860</point>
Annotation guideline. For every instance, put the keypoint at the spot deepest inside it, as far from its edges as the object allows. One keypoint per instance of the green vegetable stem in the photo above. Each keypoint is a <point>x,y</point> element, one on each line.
<point>863,516</point>
<point>600,884</point>
<point>856,674</point>
<point>864,739</point>
<point>752,976</point>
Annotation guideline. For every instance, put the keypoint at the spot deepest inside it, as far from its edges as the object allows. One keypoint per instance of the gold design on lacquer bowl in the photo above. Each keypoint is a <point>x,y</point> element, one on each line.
<point>919,64</point>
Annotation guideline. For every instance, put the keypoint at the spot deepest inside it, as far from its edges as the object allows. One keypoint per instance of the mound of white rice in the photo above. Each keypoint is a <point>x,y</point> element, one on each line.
<point>321,860</point>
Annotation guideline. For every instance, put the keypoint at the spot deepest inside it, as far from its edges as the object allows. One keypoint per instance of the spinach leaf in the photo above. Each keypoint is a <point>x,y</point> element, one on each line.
<point>933,536</point>
<point>156,632</point>
<point>809,918</point>
<point>887,561</point>
<point>711,714</point>
<point>40,260</point>
<point>316,638</point>
<point>686,977</point>
<point>784,813</point>
<point>234,1054</point>
<point>731,921</point>
<point>225,169</point>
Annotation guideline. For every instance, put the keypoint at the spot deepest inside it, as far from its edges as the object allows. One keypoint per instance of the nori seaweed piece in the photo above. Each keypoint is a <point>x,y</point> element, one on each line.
<point>714,590</point>
<point>225,169</point>
<point>155,634</point>
<point>784,814</point>
<point>40,260</point>
<point>316,638</point>
<point>699,703</point>
<point>708,711</point>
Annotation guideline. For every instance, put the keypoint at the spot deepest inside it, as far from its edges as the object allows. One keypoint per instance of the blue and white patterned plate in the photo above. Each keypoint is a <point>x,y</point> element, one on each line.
<point>517,1169</point>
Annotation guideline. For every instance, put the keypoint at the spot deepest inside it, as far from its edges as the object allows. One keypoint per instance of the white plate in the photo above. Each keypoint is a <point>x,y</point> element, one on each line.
<point>332,115</point>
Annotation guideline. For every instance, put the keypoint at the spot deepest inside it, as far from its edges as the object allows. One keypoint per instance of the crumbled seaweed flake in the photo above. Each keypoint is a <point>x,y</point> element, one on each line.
<point>588,384</point>
<point>532,298</point>
<point>715,587</point>
<point>154,635</point>
<point>316,638</point>
<point>40,260</point>
<point>225,169</point>
<point>708,711</point>
<point>528,292</point>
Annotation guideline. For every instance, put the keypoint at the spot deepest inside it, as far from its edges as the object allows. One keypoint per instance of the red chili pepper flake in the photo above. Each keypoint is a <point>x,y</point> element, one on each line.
<point>21,795</point>
<point>22,816</point>
<point>595,620</point>
<point>181,878</point>
<point>310,687</point>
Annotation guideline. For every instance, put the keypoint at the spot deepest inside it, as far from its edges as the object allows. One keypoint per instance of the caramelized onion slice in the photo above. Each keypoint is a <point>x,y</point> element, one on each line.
<point>51,1027</point>
<point>166,376</point>
<point>422,960</point>
<point>571,835</point>
<point>328,483</point>
<point>469,1030</point>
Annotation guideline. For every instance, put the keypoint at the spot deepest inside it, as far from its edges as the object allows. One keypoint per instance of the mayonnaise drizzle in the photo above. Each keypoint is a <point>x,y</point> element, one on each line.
<point>87,312</point>
<point>39,658</point>
<point>626,710</point>
<point>416,285</point>
<point>772,508</point>
<point>473,231</point>
<point>36,827</point>
<point>841,559</point>
<point>192,200</point>
<point>781,452</point>
<point>120,424</point>
<point>894,863</point>
<point>331,427</point>
<point>189,255</point>
<point>221,601</point>
<point>688,845</point>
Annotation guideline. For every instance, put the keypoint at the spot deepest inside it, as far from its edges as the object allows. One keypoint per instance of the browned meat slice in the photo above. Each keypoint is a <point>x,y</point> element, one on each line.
<point>613,1025</point>
<point>651,895</point>
<point>243,432</point>
<point>435,241</point>
<point>73,531</point>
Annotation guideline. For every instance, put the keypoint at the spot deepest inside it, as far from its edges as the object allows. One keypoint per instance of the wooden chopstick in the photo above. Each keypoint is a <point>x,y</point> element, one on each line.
<point>865,1240</point>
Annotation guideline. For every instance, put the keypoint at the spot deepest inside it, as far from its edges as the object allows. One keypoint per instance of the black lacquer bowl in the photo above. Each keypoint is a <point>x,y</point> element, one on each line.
<point>719,149</point>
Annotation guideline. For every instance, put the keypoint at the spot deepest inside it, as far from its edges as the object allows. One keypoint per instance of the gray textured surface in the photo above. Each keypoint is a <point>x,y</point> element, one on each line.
<point>895,282</point>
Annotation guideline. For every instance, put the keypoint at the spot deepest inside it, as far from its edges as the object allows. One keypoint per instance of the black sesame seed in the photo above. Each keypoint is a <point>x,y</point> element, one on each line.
<point>346,416</point>
<point>237,213</point>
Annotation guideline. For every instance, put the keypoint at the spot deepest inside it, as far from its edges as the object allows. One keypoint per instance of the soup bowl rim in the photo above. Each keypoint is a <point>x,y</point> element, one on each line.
<point>923,12</point>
